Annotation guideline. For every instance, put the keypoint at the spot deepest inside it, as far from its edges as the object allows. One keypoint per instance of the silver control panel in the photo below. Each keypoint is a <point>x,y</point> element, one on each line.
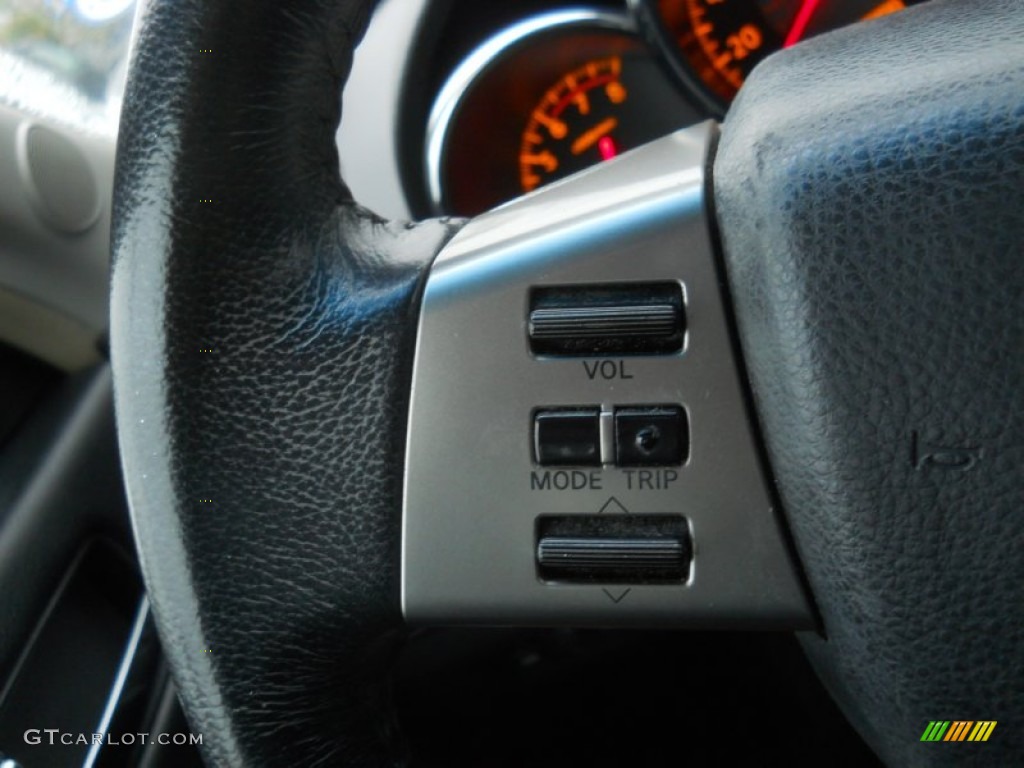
<point>579,449</point>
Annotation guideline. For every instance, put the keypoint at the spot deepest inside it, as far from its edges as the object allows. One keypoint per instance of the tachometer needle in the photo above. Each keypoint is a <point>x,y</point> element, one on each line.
<point>606,146</point>
<point>803,18</point>
<point>590,138</point>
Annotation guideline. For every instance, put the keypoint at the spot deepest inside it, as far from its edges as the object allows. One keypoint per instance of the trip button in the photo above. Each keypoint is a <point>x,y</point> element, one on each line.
<point>567,437</point>
<point>651,436</point>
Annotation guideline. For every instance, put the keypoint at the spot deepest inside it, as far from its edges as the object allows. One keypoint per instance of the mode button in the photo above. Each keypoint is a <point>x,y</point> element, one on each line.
<point>567,437</point>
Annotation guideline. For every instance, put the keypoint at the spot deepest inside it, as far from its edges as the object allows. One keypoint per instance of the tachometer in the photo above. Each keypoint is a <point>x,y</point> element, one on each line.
<point>542,100</point>
<point>574,124</point>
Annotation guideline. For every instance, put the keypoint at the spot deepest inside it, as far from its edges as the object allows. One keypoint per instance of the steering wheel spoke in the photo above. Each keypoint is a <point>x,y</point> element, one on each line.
<point>579,448</point>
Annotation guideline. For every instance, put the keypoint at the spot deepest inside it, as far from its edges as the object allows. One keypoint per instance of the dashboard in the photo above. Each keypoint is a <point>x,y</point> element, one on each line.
<point>520,95</point>
<point>463,106</point>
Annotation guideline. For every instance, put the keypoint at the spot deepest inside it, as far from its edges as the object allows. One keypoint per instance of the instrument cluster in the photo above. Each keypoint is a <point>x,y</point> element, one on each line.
<point>558,91</point>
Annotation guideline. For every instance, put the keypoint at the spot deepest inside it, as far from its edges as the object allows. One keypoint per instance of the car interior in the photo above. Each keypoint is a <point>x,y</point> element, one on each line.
<point>511,383</point>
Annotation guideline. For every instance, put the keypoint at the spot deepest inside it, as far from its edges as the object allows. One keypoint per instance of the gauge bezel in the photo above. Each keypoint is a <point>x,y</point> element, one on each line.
<point>654,32</point>
<point>480,61</point>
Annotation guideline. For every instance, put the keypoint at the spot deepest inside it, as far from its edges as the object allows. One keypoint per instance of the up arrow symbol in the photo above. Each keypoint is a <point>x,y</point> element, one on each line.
<point>613,507</point>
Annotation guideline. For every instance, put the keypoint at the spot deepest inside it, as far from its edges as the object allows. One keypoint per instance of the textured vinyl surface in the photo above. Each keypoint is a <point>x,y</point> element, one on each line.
<point>870,193</point>
<point>262,328</point>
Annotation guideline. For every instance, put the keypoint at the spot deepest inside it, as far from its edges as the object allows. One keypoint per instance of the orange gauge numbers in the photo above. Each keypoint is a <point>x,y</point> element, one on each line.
<point>725,53</point>
<point>723,40</point>
<point>573,123</point>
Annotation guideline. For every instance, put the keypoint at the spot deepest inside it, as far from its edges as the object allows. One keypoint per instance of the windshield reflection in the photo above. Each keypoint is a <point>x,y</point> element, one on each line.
<point>66,58</point>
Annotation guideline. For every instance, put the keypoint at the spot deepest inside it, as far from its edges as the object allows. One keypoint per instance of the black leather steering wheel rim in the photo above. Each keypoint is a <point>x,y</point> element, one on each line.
<point>263,318</point>
<point>262,332</point>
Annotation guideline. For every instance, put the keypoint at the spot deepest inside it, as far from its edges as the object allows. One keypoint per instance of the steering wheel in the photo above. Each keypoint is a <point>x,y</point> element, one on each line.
<point>865,200</point>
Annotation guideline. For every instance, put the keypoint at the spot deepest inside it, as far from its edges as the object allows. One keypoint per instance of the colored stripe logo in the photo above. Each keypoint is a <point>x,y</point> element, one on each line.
<point>958,730</point>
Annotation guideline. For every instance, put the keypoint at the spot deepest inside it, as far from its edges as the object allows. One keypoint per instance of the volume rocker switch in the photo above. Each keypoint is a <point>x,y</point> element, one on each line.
<point>609,319</point>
